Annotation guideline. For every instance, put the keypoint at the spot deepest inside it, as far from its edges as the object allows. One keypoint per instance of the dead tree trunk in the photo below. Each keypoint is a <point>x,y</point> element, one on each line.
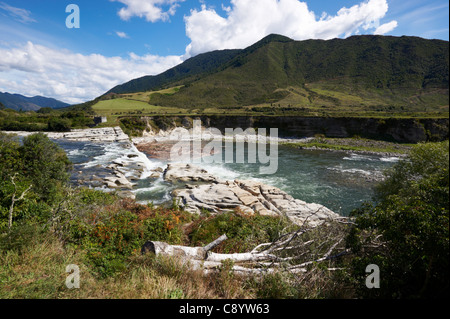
<point>285,253</point>
<point>198,253</point>
<point>14,200</point>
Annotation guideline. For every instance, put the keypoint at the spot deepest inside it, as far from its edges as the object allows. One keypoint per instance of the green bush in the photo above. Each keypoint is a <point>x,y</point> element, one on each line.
<point>244,232</point>
<point>117,230</point>
<point>59,125</point>
<point>21,236</point>
<point>133,126</point>
<point>108,243</point>
<point>45,164</point>
<point>39,166</point>
<point>276,286</point>
<point>406,233</point>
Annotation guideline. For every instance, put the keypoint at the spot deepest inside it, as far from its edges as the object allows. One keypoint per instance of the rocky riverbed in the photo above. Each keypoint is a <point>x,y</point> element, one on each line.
<point>125,168</point>
<point>104,134</point>
<point>205,193</point>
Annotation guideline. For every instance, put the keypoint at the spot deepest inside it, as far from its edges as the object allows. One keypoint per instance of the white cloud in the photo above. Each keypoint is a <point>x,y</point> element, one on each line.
<point>18,14</point>
<point>33,69</point>
<point>247,23</point>
<point>122,35</point>
<point>71,77</point>
<point>386,28</point>
<point>151,10</point>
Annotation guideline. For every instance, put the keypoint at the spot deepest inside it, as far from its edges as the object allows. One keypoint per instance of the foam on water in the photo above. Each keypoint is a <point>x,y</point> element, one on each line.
<point>390,159</point>
<point>338,181</point>
<point>351,170</point>
<point>123,153</point>
<point>221,171</point>
<point>360,157</point>
<point>148,165</point>
<point>109,153</point>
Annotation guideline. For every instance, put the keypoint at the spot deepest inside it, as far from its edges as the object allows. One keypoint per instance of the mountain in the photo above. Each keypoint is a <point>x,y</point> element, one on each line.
<point>364,71</point>
<point>200,65</point>
<point>19,102</point>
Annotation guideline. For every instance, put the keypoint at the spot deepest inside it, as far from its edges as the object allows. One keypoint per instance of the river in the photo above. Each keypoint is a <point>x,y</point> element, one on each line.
<point>341,181</point>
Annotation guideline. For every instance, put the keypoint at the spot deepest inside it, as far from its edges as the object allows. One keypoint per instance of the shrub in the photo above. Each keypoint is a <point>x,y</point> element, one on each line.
<point>244,232</point>
<point>276,286</point>
<point>133,126</point>
<point>45,164</point>
<point>113,233</point>
<point>38,163</point>
<point>406,234</point>
<point>20,237</point>
<point>59,125</point>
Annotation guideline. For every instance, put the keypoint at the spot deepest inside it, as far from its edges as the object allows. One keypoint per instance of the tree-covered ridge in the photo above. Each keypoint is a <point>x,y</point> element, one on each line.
<point>375,70</point>
<point>19,102</point>
<point>196,66</point>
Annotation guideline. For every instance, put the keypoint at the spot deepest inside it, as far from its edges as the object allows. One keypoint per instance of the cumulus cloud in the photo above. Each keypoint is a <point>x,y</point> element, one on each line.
<point>122,35</point>
<point>18,14</point>
<point>246,23</point>
<point>151,10</point>
<point>38,70</point>
<point>33,69</point>
<point>386,28</point>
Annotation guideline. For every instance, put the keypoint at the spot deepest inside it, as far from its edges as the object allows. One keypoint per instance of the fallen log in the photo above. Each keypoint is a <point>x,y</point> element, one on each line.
<point>287,253</point>
<point>198,253</point>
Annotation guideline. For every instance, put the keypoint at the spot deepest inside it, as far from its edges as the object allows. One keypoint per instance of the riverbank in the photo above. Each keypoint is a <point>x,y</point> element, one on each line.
<point>135,170</point>
<point>354,145</point>
<point>104,134</point>
<point>400,130</point>
<point>159,145</point>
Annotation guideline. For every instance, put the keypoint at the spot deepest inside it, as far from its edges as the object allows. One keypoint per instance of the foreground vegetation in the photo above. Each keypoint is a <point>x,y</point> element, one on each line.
<point>45,225</point>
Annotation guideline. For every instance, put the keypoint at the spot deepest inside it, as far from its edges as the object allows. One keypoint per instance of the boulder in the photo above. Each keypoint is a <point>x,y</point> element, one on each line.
<point>155,175</point>
<point>187,173</point>
<point>249,197</point>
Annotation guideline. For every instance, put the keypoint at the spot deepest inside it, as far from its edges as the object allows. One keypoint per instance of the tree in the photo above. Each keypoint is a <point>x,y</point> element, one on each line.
<point>2,107</point>
<point>9,156</point>
<point>38,162</point>
<point>59,125</point>
<point>45,110</point>
<point>45,164</point>
<point>407,232</point>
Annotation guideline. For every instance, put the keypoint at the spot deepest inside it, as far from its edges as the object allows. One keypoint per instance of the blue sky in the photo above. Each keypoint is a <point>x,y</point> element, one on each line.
<point>119,40</point>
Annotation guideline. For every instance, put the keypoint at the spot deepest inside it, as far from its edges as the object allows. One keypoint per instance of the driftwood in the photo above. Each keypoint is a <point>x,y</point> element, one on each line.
<point>286,253</point>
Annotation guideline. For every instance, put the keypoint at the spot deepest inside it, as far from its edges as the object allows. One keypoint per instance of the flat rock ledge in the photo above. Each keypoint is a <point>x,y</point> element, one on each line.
<point>187,173</point>
<point>250,197</point>
<point>104,134</point>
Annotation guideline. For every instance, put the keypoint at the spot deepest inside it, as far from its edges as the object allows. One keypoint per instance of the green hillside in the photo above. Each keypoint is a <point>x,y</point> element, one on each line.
<point>360,75</point>
<point>196,66</point>
<point>370,71</point>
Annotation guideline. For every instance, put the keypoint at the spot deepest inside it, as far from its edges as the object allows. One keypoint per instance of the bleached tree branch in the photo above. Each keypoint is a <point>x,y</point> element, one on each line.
<point>14,200</point>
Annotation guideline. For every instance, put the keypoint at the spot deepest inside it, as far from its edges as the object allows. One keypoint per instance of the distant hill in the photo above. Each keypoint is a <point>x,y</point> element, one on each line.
<point>19,102</point>
<point>373,72</point>
<point>200,65</point>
